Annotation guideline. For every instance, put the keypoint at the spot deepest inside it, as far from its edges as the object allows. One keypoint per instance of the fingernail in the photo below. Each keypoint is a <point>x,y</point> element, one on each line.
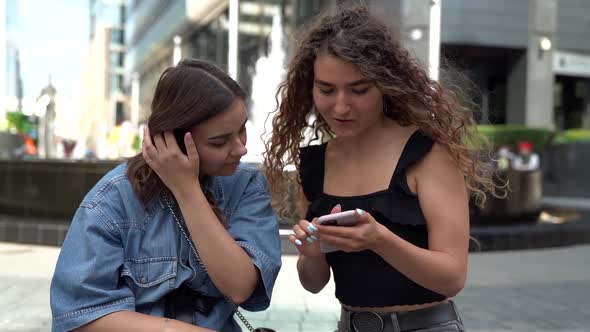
<point>338,206</point>
<point>359,212</point>
<point>297,242</point>
<point>311,228</point>
<point>310,240</point>
<point>313,237</point>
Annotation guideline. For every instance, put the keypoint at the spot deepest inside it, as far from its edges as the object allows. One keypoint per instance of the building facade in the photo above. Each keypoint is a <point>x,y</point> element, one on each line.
<point>105,67</point>
<point>11,81</point>
<point>530,59</point>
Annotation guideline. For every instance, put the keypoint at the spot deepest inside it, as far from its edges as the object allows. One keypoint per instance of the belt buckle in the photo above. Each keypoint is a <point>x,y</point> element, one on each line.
<point>367,321</point>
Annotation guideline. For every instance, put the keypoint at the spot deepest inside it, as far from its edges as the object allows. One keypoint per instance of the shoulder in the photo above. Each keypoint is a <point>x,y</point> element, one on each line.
<point>113,199</point>
<point>114,185</point>
<point>247,178</point>
<point>439,164</point>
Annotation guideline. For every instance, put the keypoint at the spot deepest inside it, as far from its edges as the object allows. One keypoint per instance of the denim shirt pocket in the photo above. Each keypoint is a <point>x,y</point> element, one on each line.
<point>150,278</point>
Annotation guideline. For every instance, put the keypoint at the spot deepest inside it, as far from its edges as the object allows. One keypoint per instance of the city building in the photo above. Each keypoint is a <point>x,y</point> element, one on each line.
<point>530,59</point>
<point>105,99</point>
<point>11,81</point>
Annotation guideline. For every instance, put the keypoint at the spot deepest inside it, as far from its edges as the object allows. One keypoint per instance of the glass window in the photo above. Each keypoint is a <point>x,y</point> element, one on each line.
<point>117,59</point>
<point>118,36</point>
<point>117,82</point>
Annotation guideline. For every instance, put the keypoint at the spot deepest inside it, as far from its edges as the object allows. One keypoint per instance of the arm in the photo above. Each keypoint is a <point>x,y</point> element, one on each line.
<point>129,321</point>
<point>86,291</point>
<point>228,265</point>
<point>314,271</point>
<point>444,202</point>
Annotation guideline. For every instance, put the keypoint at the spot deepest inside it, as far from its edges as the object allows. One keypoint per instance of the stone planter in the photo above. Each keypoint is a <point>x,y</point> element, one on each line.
<point>47,188</point>
<point>522,203</point>
<point>565,170</point>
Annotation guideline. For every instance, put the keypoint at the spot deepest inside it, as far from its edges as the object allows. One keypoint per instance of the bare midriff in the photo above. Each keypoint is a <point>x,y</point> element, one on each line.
<point>395,308</point>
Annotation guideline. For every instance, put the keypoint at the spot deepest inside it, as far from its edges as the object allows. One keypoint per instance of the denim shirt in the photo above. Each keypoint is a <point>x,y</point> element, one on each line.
<point>118,255</point>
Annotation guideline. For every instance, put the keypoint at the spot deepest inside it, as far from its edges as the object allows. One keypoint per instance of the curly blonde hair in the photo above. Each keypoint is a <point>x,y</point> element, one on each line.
<point>410,97</point>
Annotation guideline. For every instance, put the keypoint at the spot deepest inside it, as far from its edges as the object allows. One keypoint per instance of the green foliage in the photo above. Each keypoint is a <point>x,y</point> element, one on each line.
<point>572,136</point>
<point>136,144</point>
<point>511,135</point>
<point>18,122</point>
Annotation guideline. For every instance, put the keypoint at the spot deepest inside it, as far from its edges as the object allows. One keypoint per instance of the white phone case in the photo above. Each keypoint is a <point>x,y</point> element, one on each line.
<point>346,218</point>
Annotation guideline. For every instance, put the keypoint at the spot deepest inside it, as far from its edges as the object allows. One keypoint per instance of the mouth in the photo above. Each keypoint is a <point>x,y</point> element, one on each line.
<point>234,164</point>
<point>343,121</point>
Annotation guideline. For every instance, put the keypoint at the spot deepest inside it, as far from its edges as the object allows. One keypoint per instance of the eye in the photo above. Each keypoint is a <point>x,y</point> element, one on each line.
<point>325,91</point>
<point>218,144</point>
<point>360,91</point>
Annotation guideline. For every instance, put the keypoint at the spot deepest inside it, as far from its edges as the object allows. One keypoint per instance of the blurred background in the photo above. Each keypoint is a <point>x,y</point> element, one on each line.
<point>77,78</point>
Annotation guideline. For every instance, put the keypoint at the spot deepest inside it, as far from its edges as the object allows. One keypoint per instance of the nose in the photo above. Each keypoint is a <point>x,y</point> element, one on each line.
<point>239,147</point>
<point>341,105</point>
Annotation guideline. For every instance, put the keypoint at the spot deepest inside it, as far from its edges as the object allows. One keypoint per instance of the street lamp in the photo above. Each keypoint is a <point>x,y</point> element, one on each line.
<point>544,46</point>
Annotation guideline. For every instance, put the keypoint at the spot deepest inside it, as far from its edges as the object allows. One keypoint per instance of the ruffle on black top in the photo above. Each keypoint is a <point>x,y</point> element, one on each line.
<point>396,204</point>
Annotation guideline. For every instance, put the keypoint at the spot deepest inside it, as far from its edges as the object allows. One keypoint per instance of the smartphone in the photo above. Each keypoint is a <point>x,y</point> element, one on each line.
<point>345,218</point>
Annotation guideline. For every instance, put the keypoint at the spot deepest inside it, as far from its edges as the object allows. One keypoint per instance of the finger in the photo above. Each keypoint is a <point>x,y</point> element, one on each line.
<point>337,242</point>
<point>299,232</point>
<point>363,216</point>
<point>308,227</point>
<point>338,231</point>
<point>302,235</point>
<point>337,208</point>
<point>295,240</point>
<point>159,143</point>
<point>191,148</point>
<point>170,141</point>
<point>148,151</point>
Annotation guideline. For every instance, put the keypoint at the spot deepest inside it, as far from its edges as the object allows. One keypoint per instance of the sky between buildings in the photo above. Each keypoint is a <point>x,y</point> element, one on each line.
<point>53,40</point>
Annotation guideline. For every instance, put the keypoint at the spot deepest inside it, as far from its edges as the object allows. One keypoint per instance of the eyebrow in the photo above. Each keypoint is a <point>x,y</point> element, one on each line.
<point>225,135</point>
<point>355,83</point>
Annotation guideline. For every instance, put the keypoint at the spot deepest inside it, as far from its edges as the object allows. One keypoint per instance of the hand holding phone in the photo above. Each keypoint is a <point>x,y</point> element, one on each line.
<point>345,218</point>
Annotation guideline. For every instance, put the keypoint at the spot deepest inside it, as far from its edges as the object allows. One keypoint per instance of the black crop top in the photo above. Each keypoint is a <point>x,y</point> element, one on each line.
<point>364,278</point>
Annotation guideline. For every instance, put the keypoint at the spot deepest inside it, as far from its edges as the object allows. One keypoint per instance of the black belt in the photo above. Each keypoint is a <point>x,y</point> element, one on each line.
<point>366,321</point>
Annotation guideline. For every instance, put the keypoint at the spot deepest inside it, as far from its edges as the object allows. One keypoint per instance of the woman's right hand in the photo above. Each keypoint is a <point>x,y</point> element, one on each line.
<point>304,239</point>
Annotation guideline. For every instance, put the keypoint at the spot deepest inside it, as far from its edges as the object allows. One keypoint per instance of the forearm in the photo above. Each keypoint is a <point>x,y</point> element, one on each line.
<point>434,270</point>
<point>129,321</point>
<point>314,272</point>
<point>229,266</point>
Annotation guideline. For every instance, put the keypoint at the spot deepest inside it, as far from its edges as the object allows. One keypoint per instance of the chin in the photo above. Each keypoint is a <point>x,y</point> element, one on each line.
<point>345,133</point>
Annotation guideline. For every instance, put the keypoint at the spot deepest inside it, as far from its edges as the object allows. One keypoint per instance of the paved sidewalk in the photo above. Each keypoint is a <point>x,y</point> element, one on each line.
<point>540,290</point>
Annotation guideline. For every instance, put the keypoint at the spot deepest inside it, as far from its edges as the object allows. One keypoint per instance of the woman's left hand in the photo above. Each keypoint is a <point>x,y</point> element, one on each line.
<point>364,235</point>
<point>177,170</point>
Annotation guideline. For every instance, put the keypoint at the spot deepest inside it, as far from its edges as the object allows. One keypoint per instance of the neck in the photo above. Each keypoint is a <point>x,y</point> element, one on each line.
<point>368,139</point>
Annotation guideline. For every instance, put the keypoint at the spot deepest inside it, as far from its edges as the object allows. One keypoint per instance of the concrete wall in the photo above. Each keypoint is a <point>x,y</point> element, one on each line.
<point>573,25</point>
<point>500,23</point>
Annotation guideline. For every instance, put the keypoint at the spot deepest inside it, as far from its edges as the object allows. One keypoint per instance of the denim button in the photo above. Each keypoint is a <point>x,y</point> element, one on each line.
<point>144,280</point>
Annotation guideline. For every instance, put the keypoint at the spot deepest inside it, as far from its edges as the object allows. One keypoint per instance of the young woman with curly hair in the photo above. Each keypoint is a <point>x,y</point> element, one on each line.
<point>393,149</point>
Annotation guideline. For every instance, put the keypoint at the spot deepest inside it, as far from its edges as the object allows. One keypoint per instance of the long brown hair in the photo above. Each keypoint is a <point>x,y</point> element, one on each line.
<point>411,97</point>
<point>187,94</point>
